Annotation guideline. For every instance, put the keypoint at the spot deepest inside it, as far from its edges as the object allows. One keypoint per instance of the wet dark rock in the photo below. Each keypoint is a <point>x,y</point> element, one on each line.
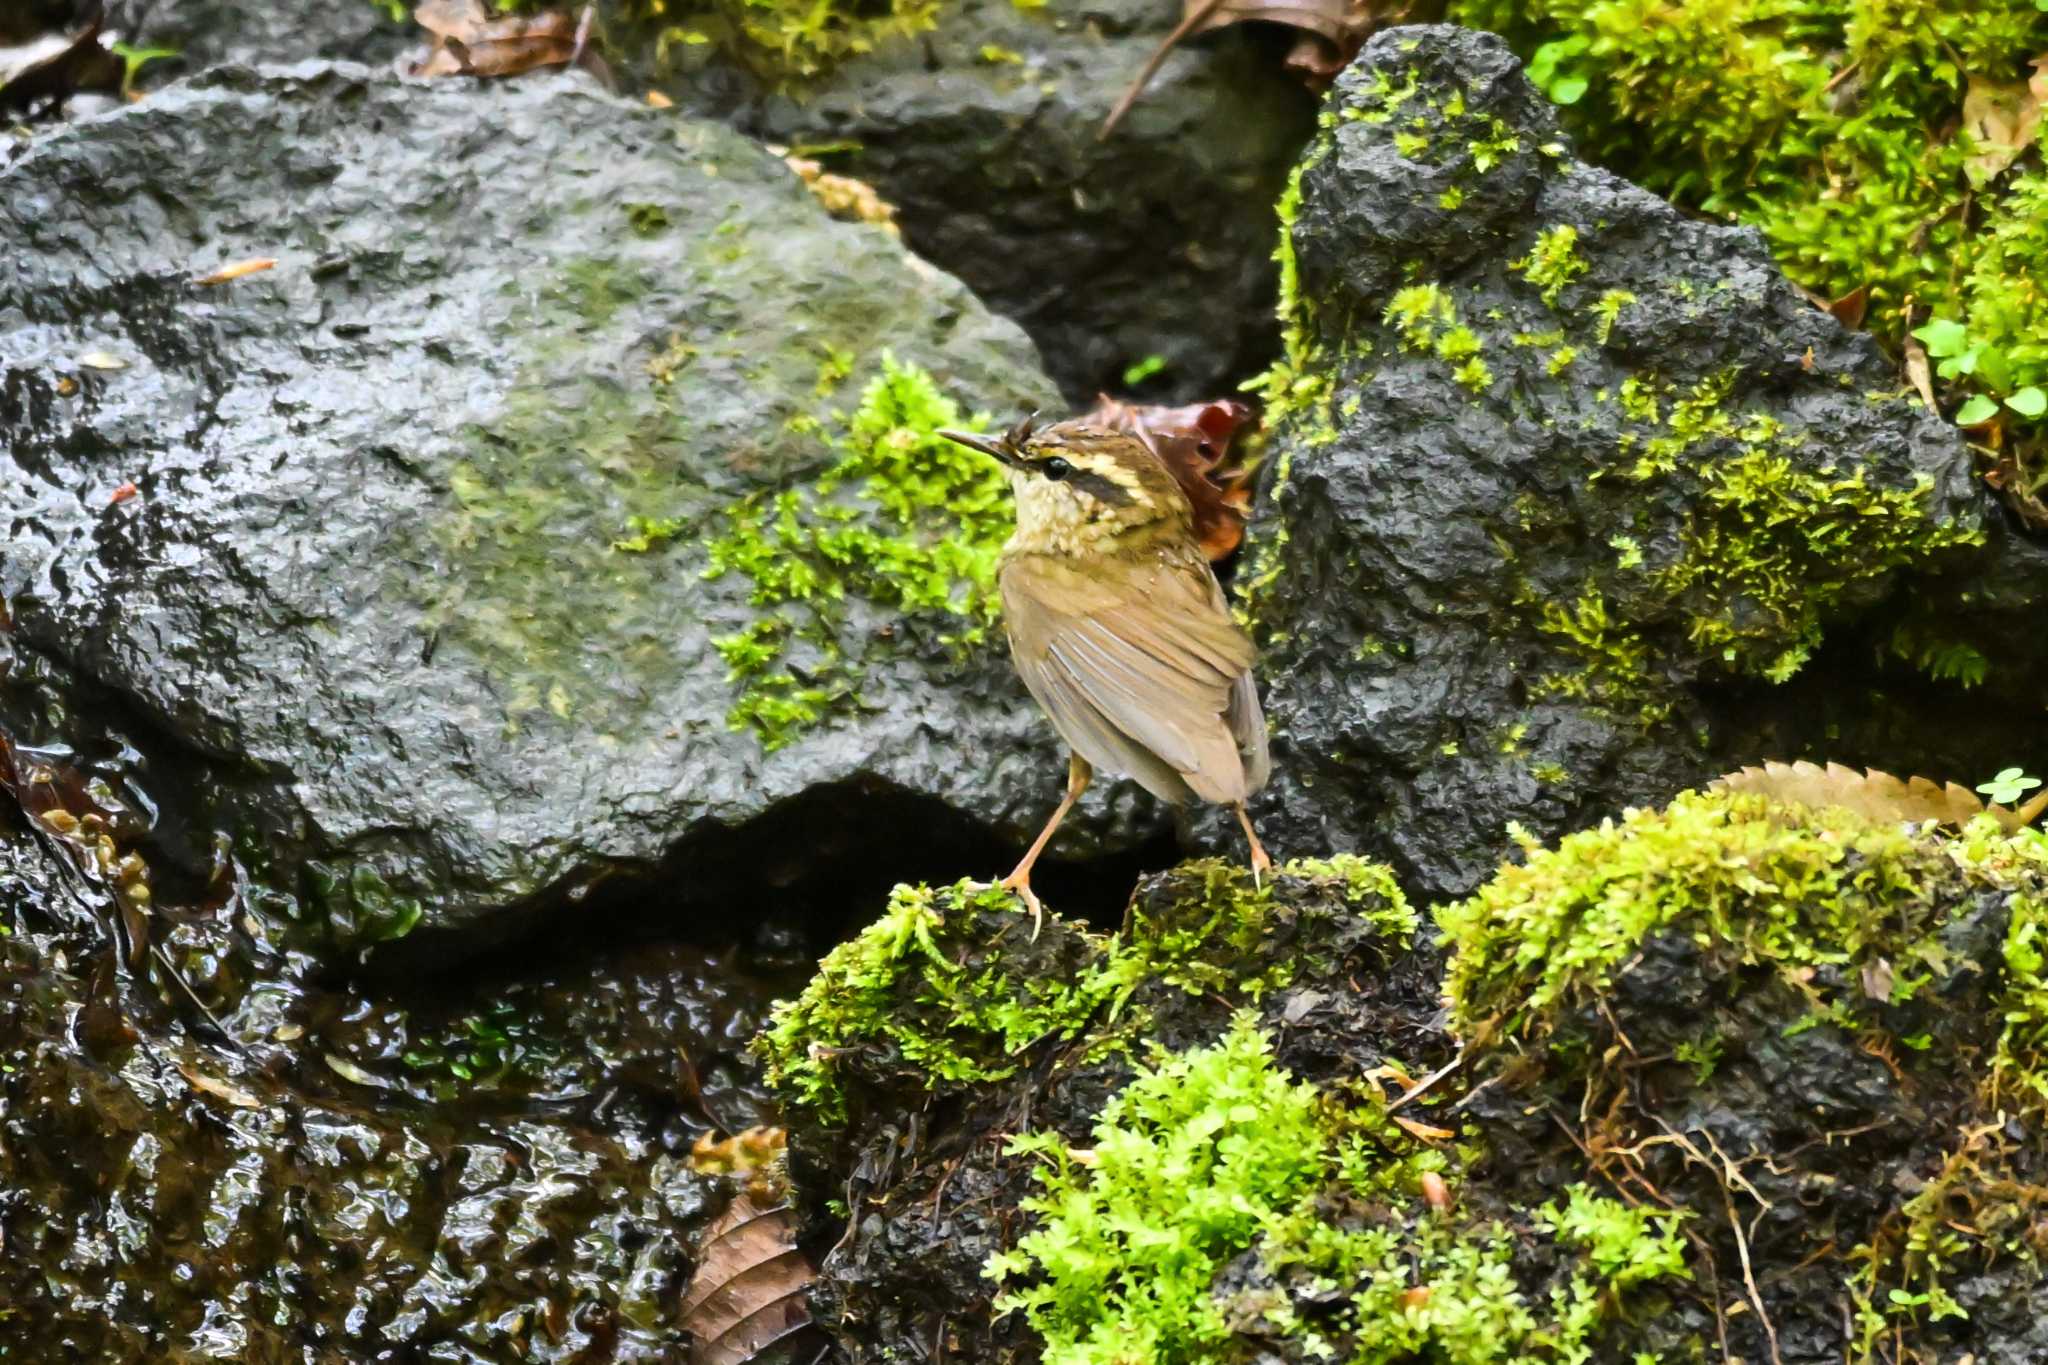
<point>1575,501</point>
<point>203,33</point>
<point>363,611</point>
<point>1155,241</point>
<point>206,1155</point>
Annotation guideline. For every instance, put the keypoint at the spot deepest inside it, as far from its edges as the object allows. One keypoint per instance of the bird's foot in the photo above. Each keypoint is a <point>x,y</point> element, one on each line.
<point>1018,883</point>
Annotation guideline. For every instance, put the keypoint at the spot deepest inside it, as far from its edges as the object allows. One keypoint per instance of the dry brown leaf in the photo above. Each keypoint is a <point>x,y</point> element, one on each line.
<point>844,197</point>
<point>1850,308</point>
<point>1874,795</point>
<point>1194,442</point>
<point>1918,373</point>
<point>748,1292</point>
<point>2001,118</point>
<point>468,41</point>
<point>1427,1132</point>
<point>1329,34</point>
<point>235,271</point>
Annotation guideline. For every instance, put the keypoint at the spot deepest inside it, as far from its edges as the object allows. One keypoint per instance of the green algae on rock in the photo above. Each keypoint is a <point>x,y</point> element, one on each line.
<point>1549,454</point>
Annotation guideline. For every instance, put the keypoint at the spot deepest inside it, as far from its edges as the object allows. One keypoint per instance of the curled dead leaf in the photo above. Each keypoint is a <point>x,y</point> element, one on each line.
<point>466,40</point>
<point>1919,374</point>
<point>1874,795</point>
<point>1194,442</point>
<point>748,1292</point>
<point>1426,1132</point>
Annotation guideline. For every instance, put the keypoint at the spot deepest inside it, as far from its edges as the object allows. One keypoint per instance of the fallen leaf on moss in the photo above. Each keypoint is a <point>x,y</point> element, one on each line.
<point>1194,442</point>
<point>1329,34</point>
<point>1874,795</point>
<point>2001,118</point>
<point>748,1292</point>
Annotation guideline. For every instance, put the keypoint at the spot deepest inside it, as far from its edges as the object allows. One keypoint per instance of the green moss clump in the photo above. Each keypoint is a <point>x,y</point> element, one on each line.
<point>1554,262</point>
<point>952,1016</point>
<point>1550,934</point>
<point>904,518</point>
<point>1774,547</point>
<point>949,986</point>
<point>1217,1151</point>
<point>1840,129</point>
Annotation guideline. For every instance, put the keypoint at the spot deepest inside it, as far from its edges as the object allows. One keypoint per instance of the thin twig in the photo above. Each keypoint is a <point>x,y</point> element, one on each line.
<point>1426,1082</point>
<point>1193,20</point>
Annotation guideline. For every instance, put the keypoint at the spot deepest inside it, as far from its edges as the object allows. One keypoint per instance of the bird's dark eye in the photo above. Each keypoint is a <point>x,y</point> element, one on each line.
<point>1056,469</point>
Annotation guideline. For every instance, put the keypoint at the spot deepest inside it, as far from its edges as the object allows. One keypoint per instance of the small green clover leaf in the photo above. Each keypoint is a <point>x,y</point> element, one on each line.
<point>2009,786</point>
<point>1978,410</point>
<point>2028,402</point>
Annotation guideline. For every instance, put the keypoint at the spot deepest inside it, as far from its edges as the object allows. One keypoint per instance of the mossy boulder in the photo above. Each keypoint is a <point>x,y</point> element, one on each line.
<point>1175,1143</point>
<point>1728,1080</point>
<point>563,504</point>
<point>1823,1036</point>
<point>1574,500</point>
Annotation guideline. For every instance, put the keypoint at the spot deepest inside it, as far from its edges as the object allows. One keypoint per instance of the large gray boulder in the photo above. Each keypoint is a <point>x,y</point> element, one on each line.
<point>365,609</point>
<point>983,131</point>
<point>1574,500</point>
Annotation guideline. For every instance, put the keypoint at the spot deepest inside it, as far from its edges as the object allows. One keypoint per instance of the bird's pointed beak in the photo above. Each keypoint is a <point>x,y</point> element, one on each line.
<point>987,445</point>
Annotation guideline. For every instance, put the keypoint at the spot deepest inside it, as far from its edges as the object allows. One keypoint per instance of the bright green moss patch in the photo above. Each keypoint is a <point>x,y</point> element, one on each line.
<point>950,986</point>
<point>1554,262</point>
<point>907,984</point>
<point>1848,133</point>
<point>1217,1151</point>
<point>904,518</point>
<point>1550,933</point>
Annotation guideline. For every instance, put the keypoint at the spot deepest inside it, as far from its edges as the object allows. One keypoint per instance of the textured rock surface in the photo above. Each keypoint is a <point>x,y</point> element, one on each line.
<point>365,602</point>
<point>1575,500</point>
<point>1156,241</point>
<point>983,132</point>
<point>233,1164</point>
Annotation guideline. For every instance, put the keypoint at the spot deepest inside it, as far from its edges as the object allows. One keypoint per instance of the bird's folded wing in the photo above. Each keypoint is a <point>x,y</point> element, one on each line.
<point>1139,667</point>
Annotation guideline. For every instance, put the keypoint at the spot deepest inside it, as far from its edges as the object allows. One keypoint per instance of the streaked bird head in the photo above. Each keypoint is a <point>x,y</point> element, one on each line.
<point>1082,488</point>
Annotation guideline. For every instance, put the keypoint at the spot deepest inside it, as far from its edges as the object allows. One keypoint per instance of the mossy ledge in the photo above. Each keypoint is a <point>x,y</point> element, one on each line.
<point>1725,1074</point>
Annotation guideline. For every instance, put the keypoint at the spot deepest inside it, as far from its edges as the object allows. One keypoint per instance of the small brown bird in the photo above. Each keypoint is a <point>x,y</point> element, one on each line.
<point>1119,627</point>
